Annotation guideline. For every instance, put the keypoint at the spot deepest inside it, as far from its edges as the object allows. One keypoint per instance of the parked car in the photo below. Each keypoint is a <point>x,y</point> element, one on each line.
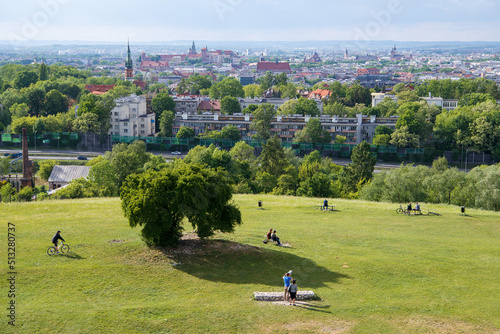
<point>176,153</point>
<point>81,157</point>
<point>16,155</point>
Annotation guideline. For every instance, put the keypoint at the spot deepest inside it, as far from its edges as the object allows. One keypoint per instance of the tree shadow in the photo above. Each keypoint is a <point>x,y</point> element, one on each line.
<point>230,262</point>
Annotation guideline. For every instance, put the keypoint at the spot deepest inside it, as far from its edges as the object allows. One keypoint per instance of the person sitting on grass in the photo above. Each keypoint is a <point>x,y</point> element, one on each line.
<point>55,239</point>
<point>268,236</point>
<point>275,238</point>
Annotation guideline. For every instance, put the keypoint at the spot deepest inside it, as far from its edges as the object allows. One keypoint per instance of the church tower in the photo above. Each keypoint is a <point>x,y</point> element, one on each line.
<point>129,66</point>
<point>192,50</point>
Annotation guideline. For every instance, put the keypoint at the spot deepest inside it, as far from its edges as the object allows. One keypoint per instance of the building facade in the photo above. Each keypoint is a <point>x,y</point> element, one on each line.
<point>355,129</point>
<point>130,117</point>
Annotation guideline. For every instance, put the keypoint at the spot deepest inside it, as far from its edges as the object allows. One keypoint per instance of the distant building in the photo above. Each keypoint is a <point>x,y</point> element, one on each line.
<point>209,106</point>
<point>320,94</point>
<point>378,98</point>
<point>396,56</point>
<point>368,71</point>
<point>157,66</point>
<point>61,176</point>
<point>314,58</point>
<point>130,117</point>
<point>365,58</point>
<point>246,80</point>
<point>129,66</point>
<point>355,129</point>
<point>273,67</point>
<point>99,89</point>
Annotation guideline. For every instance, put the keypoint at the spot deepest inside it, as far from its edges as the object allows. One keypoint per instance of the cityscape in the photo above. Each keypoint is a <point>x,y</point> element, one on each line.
<point>231,166</point>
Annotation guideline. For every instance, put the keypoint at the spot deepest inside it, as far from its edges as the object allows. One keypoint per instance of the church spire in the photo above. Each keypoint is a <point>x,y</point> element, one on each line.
<point>129,65</point>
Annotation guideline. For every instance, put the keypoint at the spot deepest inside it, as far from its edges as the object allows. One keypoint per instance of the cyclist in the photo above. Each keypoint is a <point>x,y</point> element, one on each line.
<point>55,239</point>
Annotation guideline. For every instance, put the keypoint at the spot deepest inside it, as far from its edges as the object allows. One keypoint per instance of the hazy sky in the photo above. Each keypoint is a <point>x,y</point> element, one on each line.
<point>253,20</point>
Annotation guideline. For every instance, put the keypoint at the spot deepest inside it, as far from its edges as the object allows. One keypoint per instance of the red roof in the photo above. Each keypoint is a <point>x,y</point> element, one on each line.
<point>99,89</point>
<point>273,66</point>
<point>209,105</point>
<point>320,94</point>
<point>139,83</point>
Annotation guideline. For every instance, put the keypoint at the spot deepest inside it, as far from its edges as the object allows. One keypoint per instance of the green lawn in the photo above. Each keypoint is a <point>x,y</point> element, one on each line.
<point>375,271</point>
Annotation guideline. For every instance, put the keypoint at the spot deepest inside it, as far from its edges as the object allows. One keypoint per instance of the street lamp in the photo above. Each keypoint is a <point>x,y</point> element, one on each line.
<point>467,151</point>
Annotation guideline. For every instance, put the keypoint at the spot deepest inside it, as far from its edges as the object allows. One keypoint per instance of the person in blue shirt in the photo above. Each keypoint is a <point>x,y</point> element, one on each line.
<point>325,205</point>
<point>287,279</point>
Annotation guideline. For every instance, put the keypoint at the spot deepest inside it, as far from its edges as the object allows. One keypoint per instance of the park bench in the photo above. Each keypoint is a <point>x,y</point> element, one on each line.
<point>329,208</point>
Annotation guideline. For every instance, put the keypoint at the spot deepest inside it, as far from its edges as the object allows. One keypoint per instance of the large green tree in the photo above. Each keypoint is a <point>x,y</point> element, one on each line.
<point>230,105</point>
<point>261,123</point>
<point>159,104</point>
<point>166,121</point>
<point>55,103</point>
<point>159,201</point>
<point>227,87</point>
<point>360,171</point>
<point>313,133</point>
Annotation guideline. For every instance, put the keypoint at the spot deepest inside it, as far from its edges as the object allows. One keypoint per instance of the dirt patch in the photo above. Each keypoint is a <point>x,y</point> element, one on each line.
<point>442,326</point>
<point>116,241</point>
<point>334,327</point>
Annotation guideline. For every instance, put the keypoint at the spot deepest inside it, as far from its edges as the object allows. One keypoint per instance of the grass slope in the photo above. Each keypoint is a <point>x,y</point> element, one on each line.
<point>375,271</point>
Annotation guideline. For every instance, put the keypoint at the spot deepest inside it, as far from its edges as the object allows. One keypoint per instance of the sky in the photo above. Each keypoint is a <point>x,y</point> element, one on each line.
<point>250,20</point>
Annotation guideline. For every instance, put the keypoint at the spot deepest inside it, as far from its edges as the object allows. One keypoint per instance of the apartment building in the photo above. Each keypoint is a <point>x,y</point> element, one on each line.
<point>355,129</point>
<point>438,101</point>
<point>130,117</point>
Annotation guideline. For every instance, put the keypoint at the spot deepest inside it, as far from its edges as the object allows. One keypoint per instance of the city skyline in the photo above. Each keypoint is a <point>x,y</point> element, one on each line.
<point>250,20</point>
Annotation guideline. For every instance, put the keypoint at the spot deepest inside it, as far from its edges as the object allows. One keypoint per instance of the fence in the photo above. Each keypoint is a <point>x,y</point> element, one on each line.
<point>65,140</point>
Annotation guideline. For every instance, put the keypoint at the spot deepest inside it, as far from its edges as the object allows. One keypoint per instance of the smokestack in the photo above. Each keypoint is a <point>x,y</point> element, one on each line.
<point>27,179</point>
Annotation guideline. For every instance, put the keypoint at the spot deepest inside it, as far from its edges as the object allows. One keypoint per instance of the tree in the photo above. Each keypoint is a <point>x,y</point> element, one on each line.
<point>273,159</point>
<point>230,132</point>
<point>403,138</point>
<point>127,159</point>
<point>360,171</point>
<point>340,139</point>
<point>227,87</point>
<point>287,108</point>
<point>160,103</point>
<point>261,122</point>
<point>43,72</point>
<point>86,123</point>
<point>242,152</point>
<point>101,106</point>
<point>39,126</point>
<point>36,101</point>
<point>102,177</point>
<point>55,103</point>
<point>383,130</point>
<point>252,91</point>
<point>185,132</point>
<point>19,110</point>
<point>473,99</point>
<point>306,107</point>
<point>45,169</point>
<point>159,201</point>
<point>313,133</point>
<point>166,121</point>
<point>230,105</point>
<point>383,140</point>
<point>24,79</point>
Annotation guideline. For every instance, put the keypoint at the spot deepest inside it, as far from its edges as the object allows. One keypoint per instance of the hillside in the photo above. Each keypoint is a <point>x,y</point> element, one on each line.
<point>374,270</point>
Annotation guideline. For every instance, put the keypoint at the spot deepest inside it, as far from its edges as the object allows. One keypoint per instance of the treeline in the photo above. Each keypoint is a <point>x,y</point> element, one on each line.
<point>48,94</point>
<point>478,188</point>
<point>278,171</point>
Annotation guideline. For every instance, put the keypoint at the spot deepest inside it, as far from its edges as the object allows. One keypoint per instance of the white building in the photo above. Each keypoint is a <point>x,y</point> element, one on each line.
<point>130,118</point>
<point>378,98</point>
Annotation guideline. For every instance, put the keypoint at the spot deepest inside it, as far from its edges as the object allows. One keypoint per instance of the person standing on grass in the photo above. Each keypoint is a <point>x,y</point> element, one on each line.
<point>287,278</point>
<point>55,239</point>
<point>293,292</point>
<point>408,208</point>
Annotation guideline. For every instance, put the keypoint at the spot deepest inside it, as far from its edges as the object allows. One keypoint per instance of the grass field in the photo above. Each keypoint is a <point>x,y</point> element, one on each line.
<point>374,270</point>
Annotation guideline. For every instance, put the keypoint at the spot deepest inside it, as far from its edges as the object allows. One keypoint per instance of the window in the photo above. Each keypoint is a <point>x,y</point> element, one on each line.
<point>125,124</point>
<point>142,132</point>
<point>116,113</point>
<point>125,130</point>
<point>142,125</point>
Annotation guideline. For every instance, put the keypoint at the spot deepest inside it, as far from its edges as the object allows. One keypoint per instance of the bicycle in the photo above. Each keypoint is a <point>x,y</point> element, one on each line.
<point>430,213</point>
<point>64,248</point>
<point>401,210</point>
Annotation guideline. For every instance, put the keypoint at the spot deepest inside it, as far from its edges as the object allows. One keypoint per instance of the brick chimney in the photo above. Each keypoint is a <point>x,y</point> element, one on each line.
<point>27,179</point>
